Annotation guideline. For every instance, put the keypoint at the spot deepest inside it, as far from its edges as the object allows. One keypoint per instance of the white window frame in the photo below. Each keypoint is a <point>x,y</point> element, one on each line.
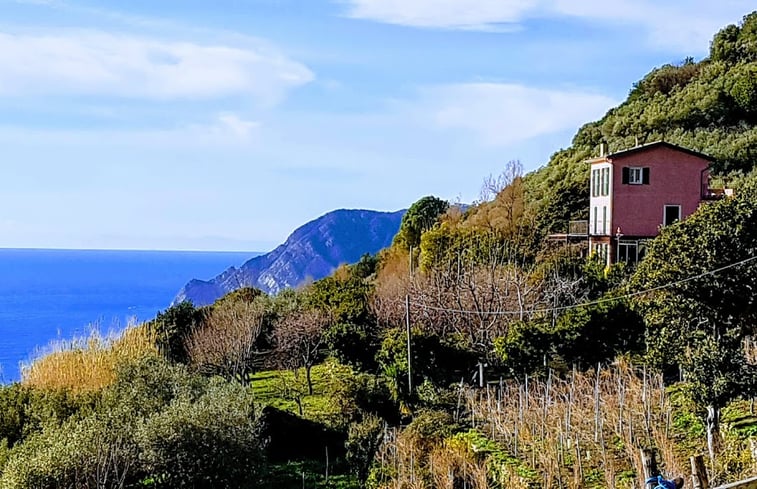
<point>635,175</point>
<point>665,213</point>
<point>595,186</point>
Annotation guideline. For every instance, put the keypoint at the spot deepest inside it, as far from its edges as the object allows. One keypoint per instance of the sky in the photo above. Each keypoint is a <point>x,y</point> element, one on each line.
<point>226,124</point>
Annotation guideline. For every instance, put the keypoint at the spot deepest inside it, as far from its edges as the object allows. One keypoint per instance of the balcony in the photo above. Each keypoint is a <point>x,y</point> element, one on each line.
<point>578,228</point>
<point>715,193</point>
<point>577,231</point>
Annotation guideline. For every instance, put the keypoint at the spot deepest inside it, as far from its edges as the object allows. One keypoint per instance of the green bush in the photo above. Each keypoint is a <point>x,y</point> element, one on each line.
<point>14,400</point>
<point>157,424</point>
<point>352,344</point>
<point>173,326</point>
<point>363,441</point>
<point>89,452</point>
<point>210,442</point>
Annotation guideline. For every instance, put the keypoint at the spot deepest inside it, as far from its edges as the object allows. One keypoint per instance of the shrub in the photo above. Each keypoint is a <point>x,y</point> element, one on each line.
<point>157,424</point>
<point>172,327</point>
<point>13,402</point>
<point>363,441</point>
<point>352,344</point>
<point>212,442</point>
<point>89,452</point>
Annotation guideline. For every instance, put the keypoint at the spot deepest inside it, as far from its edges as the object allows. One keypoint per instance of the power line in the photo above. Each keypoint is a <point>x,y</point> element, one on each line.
<point>585,304</point>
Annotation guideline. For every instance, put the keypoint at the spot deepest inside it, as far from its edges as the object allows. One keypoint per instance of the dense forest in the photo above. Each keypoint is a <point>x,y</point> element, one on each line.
<point>470,353</point>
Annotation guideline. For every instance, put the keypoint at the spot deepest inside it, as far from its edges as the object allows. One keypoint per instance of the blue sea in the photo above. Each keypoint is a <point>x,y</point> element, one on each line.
<point>59,294</point>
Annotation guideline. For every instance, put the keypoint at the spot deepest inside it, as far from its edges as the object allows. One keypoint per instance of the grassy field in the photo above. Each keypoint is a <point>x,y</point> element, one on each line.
<point>287,390</point>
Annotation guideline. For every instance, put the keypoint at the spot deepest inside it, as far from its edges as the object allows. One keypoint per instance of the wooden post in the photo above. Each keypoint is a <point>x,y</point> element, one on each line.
<point>409,357</point>
<point>649,463</point>
<point>699,479</point>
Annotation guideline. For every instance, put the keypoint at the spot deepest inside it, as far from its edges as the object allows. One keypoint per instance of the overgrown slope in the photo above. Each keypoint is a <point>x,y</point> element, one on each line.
<point>709,106</point>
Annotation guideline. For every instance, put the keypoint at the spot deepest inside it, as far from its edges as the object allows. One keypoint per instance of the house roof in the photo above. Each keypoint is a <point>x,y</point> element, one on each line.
<point>659,144</point>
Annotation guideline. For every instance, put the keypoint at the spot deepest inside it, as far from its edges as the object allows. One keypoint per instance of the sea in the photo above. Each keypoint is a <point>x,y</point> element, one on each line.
<point>53,295</point>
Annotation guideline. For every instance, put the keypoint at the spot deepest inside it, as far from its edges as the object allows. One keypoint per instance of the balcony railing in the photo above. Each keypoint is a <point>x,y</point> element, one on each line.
<point>715,193</point>
<point>578,228</point>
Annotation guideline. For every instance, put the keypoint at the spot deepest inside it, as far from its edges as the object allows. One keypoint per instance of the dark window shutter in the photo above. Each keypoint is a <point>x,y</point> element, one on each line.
<point>645,176</point>
<point>626,172</point>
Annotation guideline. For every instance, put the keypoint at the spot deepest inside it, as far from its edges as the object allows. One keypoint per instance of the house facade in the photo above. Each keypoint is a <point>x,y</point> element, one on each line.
<point>637,191</point>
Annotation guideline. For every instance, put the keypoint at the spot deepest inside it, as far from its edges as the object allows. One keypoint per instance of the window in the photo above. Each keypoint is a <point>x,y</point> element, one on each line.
<point>595,183</point>
<point>604,219</point>
<point>635,175</point>
<point>601,251</point>
<point>595,220</point>
<point>671,215</point>
<point>628,251</point>
<point>600,182</point>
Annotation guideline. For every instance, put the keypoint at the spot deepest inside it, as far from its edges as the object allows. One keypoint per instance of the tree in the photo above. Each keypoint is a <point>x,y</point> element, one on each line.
<point>228,343</point>
<point>420,217</point>
<point>704,274</point>
<point>344,299</point>
<point>172,327</point>
<point>301,341</point>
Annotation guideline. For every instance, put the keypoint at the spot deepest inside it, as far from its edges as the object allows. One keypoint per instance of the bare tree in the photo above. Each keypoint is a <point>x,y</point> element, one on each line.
<point>477,298</point>
<point>493,185</point>
<point>300,341</point>
<point>227,343</point>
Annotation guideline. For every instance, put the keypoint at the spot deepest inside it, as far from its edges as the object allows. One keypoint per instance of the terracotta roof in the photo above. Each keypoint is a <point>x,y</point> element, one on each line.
<point>658,144</point>
<point>597,159</point>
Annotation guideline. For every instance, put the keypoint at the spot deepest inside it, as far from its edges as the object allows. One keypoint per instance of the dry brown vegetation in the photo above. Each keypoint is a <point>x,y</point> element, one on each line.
<point>227,342</point>
<point>88,364</point>
<point>584,430</point>
<point>300,341</point>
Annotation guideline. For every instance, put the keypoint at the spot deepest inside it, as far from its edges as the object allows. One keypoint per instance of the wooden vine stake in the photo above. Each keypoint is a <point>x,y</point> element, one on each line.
<point>699,479</point>
<point>649,463</point>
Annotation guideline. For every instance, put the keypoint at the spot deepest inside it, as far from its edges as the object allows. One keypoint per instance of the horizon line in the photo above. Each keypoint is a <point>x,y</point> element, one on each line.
<point>147,250</point>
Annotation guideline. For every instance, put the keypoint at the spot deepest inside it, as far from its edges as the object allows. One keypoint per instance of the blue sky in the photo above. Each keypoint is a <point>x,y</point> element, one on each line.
<point>224,125</point>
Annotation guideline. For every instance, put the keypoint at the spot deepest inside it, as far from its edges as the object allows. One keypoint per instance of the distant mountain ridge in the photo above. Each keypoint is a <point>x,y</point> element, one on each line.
<point>313,250</point>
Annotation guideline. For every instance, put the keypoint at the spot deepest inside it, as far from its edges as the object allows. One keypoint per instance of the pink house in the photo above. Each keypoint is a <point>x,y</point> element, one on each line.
<point>636,191</point>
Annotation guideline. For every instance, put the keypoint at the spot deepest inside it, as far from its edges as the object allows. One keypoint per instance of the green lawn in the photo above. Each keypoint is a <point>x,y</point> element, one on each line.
<point>282,388</point>
<point>279,388</point>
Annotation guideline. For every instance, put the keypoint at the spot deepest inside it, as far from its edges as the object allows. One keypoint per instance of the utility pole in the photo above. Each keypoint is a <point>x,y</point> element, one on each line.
<point>409,363</point>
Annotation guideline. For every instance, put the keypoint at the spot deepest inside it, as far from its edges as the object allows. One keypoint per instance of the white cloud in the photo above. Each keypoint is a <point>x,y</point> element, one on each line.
<point>446,14</point>
<point>102,64</point>
<point>501,114</point>
<point>684,25</point>
<point>234,125</point>
<point>224,130</point>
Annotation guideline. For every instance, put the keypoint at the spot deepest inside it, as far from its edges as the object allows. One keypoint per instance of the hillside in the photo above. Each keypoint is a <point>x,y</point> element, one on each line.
<point>312,251</point>
<point>709,106</point>
<point>468,354</point>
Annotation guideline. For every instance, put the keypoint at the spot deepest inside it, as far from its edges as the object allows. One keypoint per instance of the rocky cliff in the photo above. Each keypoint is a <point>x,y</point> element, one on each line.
<point>312,251</point>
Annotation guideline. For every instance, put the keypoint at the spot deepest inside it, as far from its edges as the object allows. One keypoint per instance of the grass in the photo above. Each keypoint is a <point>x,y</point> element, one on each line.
<point>295,475</point>
<point>284,389</point>
<point>87,364</point>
